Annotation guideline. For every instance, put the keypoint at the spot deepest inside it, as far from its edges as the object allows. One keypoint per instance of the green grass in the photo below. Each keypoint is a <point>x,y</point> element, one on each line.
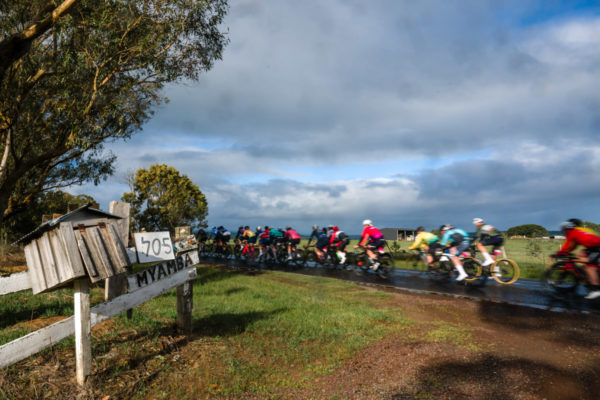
<point>266,332</point>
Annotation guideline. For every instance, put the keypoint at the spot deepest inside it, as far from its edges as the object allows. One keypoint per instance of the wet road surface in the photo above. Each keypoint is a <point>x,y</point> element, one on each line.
<point>524,292</point>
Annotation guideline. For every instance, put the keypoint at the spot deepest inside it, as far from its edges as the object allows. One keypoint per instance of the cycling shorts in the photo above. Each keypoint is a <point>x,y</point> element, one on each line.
<point>462,247</point>
<point>496,241</point>
<point>377,243</point>
<point>433,247</point>
<point>341,245</point>
<point>593,254</point>
<point>293,242</point>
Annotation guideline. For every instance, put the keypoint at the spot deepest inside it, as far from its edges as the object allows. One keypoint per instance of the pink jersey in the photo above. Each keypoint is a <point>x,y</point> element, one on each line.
<point>370,232</point>
<point>292,234</point>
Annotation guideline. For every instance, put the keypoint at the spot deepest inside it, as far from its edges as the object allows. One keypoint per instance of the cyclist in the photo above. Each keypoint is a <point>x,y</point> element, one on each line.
<point>458,241</point>
<point>339,240</point>
<point>314,234</point>
<point>427,242</point>
<point>222,237</point>
<point>248,237</point>
<point>322,242</point>
<point>264,239</point>
<point>292,237</point>
<point>487,235</point>
<point>579,236</point>
<point>375,240</point>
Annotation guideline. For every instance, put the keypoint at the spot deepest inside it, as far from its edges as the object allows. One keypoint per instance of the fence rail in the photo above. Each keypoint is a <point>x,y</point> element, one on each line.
<point>165,276</point>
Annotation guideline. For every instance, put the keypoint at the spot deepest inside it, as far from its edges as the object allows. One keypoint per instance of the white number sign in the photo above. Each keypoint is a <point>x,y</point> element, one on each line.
<point>153,246</point>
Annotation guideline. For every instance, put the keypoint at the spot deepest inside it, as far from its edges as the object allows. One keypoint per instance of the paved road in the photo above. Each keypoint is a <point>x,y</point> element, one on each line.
<point>525,292</point>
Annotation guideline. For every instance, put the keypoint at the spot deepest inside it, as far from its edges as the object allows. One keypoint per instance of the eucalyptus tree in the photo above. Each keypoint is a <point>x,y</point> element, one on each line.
<point>77,74</point>
<point>163,198</point>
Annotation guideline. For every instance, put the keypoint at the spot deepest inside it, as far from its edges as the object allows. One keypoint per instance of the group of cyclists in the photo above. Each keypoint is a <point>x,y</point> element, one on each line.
<point>453,241</point>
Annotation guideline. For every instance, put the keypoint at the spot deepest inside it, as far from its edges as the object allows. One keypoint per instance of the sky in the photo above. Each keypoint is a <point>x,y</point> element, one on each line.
<point>404,112</point>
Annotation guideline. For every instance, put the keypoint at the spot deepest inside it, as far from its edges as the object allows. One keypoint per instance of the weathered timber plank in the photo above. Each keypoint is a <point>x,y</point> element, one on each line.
<point>30,344</point>
<point>70,244</point>
<point>15,283</point>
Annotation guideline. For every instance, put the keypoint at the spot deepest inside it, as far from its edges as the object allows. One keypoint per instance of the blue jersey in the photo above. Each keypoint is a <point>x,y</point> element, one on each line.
<point>454,236</point>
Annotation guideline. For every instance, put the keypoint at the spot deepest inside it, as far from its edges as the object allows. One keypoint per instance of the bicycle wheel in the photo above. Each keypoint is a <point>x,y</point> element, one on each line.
<point>294,260</point>
<point>505,271</point>
<point>560,278</point>
<point>441,270</point>
<point>386,266</point>
<point>473,268</point>
<point>311,259</point>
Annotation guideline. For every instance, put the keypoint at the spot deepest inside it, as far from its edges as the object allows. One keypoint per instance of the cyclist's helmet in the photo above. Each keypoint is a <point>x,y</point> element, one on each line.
<point>445,227</point>
<point>567,226</point>
<point>576,221</point>
<point>287,228</point>
<point>367,222</point>
<point>335,228</point>
<point>258,228</point>
<point>477,221</point>
<point>315,227</point>
<point>420,229</point>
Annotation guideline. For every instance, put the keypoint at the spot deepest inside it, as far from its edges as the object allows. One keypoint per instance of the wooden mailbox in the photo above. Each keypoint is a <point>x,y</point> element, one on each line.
<point>82,242</point>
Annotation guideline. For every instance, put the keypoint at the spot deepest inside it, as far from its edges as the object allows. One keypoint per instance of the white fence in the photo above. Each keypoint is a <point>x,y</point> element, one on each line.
<point>143,286</point>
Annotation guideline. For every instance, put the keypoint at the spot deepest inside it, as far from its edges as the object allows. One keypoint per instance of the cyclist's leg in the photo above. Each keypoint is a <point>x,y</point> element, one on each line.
<point>454,253</point>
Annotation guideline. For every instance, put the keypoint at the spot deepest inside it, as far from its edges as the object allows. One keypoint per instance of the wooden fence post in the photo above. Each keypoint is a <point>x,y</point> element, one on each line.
<point>184,306</point>
<point>83,330</point>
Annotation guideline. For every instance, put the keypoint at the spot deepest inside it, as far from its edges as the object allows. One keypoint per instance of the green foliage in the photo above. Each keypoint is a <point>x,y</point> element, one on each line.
<point>54,202</point>
<point>527,230</point>
<point>162,198</point>
<point>591,225</point>
<point>92,76</point>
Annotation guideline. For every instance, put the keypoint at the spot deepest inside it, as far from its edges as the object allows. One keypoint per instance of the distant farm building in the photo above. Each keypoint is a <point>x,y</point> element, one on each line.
<point>399,233</point>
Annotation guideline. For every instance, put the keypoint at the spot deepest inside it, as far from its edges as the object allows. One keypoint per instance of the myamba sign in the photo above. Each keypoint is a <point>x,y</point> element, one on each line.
<point>163,270</point>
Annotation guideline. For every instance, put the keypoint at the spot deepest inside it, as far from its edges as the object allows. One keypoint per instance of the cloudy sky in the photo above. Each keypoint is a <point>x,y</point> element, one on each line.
<point>404,112</point>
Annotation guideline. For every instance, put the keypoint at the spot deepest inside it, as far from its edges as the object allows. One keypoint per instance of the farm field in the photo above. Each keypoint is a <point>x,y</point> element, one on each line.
<point>280,335</point>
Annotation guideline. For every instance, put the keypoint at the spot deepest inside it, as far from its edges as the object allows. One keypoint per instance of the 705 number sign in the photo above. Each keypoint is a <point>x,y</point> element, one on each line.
<point>153,246</point>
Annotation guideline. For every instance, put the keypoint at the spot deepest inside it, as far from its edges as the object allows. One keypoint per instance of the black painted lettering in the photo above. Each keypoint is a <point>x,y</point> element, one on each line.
<point>142,278</point>
<point>151,271</point>
<point>171,267</point>
<point>180,264</point>
<point>161,271</point>
<point>188,260</point>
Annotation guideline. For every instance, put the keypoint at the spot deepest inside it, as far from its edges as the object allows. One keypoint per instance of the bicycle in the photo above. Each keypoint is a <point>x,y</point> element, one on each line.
<point>442,268</point>
<point>503,270</point>
<point>566,275</point>
<point>312,259</point>
<point>364,262</point>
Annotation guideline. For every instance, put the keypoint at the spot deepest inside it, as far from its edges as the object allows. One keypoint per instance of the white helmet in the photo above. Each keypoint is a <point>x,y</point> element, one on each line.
<point>477,220</point>
<point>367,222</point>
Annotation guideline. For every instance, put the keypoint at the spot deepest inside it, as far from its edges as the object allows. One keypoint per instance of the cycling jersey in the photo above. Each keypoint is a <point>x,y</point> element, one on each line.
<point>424,239</point>
<point>370,233</point>
<point>339,238</point>
<point>322,241</point>
<point>579,237</point>
<point>486,230</point>
<point>291,234</point>
<point>454,236</point>
<point>249,236</point>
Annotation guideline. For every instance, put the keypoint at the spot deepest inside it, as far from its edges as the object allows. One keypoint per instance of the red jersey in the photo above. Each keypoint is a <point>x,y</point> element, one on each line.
<point>579,236</point>
<point>370,232</point>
